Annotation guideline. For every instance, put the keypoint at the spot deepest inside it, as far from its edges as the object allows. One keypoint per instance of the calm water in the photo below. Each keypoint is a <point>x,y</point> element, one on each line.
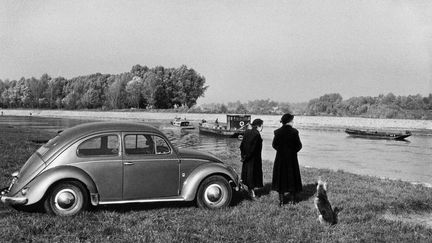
<point>409,160</point>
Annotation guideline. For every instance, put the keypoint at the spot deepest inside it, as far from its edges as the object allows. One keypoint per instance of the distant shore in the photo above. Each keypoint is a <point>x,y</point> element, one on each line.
<point>417,127</point>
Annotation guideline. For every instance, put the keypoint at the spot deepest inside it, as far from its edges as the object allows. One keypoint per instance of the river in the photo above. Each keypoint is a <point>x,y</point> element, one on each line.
<point>324,145</point>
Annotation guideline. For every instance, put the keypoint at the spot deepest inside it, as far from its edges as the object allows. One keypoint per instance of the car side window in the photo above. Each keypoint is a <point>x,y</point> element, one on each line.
<point>161,145</point>
<point>139,144</point>
<point>99,146</point>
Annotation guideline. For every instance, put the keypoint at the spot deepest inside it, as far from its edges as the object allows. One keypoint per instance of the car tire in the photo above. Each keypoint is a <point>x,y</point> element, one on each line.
<point>66,199</point>
<point>214,192</point>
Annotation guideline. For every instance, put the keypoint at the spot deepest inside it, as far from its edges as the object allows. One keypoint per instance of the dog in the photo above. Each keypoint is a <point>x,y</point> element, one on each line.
<point>326,215</point>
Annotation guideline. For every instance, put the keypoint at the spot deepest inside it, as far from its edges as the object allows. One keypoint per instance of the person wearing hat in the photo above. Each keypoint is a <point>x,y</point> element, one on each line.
<point>286,171</point>
<point>250,149</point>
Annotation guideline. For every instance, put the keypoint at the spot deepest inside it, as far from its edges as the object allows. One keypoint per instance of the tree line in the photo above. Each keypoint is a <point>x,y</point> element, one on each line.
<point>381,106</point>
<point>142,87</point>
<point>179,89</point>
<point>259,106</point>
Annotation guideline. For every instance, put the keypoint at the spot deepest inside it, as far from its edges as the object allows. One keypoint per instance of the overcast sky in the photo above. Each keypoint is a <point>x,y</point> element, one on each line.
<point>289,51</point>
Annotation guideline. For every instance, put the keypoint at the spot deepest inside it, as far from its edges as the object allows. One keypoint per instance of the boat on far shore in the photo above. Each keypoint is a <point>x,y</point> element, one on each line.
<point>377,134</point>
<point>182,123</point>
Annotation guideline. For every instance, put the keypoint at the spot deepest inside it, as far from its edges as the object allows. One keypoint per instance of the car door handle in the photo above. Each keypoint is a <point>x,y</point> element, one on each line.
<point>128,163</point>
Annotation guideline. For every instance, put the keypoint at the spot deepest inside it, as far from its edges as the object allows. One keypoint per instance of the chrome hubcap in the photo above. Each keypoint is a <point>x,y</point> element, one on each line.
<point>65,199</point>
<point>213,193</point>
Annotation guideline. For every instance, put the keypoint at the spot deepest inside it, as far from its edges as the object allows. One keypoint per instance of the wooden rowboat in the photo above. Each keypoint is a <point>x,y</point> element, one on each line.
<point>377,134</point>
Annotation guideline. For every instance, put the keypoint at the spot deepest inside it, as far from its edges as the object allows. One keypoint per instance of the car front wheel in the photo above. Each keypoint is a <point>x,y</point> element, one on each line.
<point>66,199</point>
<point>214,192</point>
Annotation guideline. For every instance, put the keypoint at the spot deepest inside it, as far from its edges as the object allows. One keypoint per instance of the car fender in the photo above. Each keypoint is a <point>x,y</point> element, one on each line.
<point>41,183</point>
<point>191,184</point>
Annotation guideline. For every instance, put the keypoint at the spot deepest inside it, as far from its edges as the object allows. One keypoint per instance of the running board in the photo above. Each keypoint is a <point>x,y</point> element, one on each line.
<point>171,199</point>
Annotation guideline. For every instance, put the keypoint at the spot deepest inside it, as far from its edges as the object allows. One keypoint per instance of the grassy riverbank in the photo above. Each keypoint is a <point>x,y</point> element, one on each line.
<point>373,210</point>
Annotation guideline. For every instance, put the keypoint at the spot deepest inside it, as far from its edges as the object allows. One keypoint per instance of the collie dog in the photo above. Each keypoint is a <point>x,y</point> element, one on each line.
<point>325,212</point>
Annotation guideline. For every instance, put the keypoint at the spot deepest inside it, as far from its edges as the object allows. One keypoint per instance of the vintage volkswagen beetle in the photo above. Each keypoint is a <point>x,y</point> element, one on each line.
<point>114,163</point>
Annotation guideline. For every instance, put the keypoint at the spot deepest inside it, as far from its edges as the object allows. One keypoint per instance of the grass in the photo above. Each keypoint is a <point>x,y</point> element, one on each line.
<point>373,210</point>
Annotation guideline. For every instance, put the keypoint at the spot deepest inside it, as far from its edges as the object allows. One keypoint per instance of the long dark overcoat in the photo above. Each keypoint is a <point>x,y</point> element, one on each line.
<point>286,172</point>
<point>250,149</point>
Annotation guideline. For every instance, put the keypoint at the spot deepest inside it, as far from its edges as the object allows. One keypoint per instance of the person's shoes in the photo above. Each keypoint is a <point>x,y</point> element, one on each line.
<point>291,198</point>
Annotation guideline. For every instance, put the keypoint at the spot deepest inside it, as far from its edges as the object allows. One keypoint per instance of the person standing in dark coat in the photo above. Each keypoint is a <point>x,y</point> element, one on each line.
<point>286,171</point>
<point>250,149</point>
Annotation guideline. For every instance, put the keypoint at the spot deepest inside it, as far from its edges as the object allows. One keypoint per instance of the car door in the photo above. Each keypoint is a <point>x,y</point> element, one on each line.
<point>99,156</point>
<point>150,167</point>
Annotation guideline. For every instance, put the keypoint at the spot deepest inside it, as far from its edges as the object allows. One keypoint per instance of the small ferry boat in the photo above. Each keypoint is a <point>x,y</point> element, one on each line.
<point>234,127</point>
<point>377,134</point>
<point>182,123</point>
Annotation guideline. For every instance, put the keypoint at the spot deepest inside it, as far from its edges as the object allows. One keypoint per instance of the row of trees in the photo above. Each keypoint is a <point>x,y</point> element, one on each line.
<point>164,88</point>
<point>142,87</point>
<point>251,107</point>
<point>382,106</point>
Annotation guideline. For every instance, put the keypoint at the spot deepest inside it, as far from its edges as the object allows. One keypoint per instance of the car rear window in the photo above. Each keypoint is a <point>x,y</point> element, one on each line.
<point>105,145</point>
<point>44,148</point>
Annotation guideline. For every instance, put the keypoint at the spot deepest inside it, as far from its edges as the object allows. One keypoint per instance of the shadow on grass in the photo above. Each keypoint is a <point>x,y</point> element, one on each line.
<point>5,213</point>
<point>242,195</point>
<point>239,197</point>
<point>265,190</point>
<point>124,208</point>
<point>309,191</point>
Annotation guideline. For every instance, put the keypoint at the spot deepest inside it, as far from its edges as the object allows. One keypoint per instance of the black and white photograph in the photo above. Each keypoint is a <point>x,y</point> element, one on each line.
<point>216,121</point>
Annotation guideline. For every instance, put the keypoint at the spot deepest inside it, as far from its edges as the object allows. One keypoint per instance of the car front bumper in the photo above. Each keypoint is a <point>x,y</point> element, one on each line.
<point>11,200</point>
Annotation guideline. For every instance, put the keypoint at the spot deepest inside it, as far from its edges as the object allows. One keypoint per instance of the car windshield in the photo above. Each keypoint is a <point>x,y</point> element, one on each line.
<point>44,148</point>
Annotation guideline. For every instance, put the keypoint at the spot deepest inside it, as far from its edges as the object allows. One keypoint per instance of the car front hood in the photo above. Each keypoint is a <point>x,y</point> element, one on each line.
<point>193,154</point>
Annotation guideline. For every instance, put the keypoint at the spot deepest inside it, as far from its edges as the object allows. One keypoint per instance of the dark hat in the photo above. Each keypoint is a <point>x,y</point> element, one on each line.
<point>257,122</point>
<point>286,118</point>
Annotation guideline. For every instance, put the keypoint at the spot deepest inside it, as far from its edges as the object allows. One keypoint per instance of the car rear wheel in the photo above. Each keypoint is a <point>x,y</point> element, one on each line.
<point>67,199</point>
<point>214,192</point>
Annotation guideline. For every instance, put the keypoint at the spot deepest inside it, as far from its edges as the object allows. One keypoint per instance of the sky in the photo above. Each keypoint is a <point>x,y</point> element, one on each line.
<point>287,51</point>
